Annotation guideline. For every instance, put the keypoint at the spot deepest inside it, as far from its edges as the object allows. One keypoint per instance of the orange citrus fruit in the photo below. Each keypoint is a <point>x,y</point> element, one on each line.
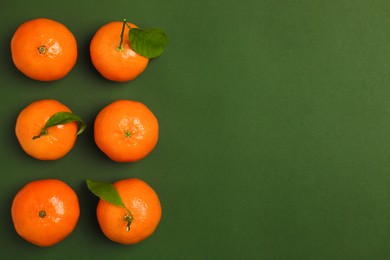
<point>145,213</point>
<point>45,144</point>
<point>44,212</point>
<point>126,130</point>
<point>112,55</point>
<point>43,49</point>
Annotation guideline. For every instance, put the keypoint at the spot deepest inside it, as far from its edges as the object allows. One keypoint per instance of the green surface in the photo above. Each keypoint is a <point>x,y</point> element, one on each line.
<point>274,129</point>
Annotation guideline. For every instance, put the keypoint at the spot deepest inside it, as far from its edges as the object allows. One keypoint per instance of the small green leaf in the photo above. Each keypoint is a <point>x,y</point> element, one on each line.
<point>149,43</point>
<point>62,118</point>
<point>106,191</point>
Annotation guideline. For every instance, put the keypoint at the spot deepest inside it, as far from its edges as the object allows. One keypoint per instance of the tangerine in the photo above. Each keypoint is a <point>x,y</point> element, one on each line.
<point>44,212</point>
<point>126,130</point>
<point>138,220</point>
<point>112,55</point>
<point>44,49</point>
<point>39,141</point>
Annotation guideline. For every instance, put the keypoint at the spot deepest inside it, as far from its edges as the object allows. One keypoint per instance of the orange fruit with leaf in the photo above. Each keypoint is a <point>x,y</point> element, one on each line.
<point>126,130</point>
<point>120,51</point>
<point>128,211</point>
<point>44,49</point>
<point>47,129</point>
<point>44,212</point>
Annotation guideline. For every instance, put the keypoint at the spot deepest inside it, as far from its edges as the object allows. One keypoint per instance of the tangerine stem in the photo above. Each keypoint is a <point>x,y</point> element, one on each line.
<point>120,48</point>
<point>42,214</point>
<point>129,218</point>
<point>42,49</point>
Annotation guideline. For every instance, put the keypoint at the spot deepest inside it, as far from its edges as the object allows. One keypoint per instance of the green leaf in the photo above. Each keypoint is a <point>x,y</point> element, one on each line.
<point>149,43</point>
<point>106,191</point>
<point>62,118</point>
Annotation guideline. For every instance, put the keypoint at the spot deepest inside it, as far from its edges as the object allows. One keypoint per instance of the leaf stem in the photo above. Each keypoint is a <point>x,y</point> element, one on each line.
<point>128,26</point>
<point>43,132</point>
<point>120,48</point>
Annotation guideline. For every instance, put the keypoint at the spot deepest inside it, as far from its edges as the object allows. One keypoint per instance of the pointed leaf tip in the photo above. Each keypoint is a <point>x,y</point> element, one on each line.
<point>105,191</point>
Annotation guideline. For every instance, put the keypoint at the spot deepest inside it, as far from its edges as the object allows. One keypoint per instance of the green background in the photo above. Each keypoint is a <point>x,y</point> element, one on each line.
<point>274,128</point>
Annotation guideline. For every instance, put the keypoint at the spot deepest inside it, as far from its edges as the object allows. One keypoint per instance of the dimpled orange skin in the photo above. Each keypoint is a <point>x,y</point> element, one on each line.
<point>113,64</point>
<point>126,131</point>
<point>60,44</point>
<point>60,205</point>
<point>56,143</point>
<point>143,203</point>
